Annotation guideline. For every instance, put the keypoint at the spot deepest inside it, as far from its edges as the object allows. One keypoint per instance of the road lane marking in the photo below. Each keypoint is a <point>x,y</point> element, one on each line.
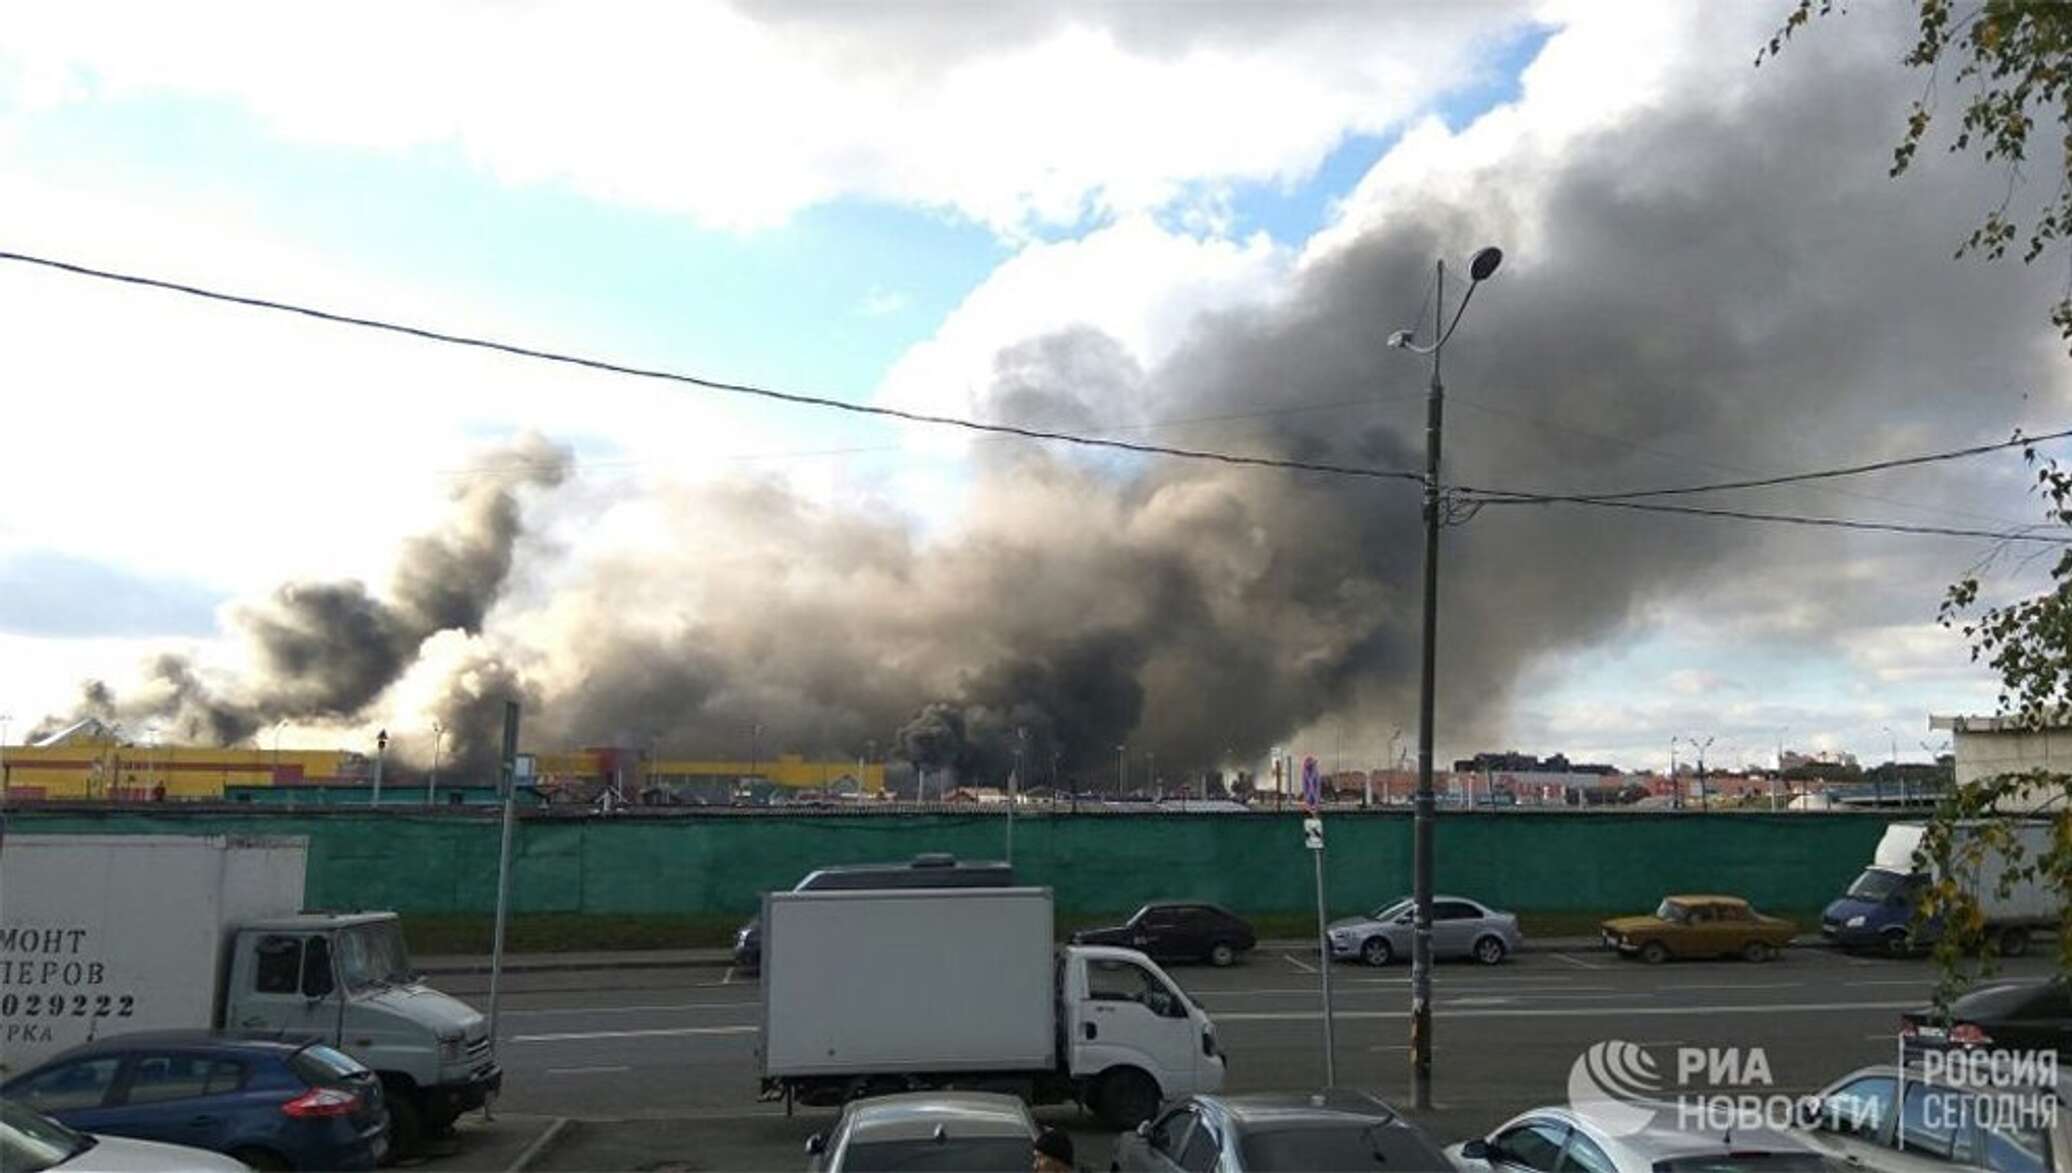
<point>728,978</point>
<point>1731,986</point>
<point>1893,982</point>
<point>1568,1011</point>
<point>672,1032</point>
<point>647,1009</point>
<point>586,1070</point>
<point>1519,991</point>
<point>1304,966</point>
<point>1575,961</point>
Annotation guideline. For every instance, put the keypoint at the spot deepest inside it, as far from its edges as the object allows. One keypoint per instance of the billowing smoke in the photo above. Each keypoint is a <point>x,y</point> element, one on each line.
<point>323,652</point>
<point>1728,274</point>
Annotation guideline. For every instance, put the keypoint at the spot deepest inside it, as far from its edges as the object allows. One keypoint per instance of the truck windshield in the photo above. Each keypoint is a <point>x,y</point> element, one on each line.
<point>1878,885</point>
<point>373,955</point>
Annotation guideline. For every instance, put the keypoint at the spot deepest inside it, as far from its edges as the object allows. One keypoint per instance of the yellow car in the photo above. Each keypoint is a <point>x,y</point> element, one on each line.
<point>1699,926</point>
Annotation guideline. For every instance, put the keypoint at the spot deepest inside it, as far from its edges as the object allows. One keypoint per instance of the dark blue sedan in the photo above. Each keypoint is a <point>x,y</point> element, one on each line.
<point>270,1101</point>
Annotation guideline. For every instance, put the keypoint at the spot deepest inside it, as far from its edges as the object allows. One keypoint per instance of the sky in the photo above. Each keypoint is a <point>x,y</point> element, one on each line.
<point>1186,224</point>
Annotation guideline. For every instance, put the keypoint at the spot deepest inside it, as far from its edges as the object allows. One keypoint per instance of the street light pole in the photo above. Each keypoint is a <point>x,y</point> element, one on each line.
<point>1894,768</point>
<point>380,755</point>
<point>431,793</point>
<point>1122,770</point>
<point>1480,268</point>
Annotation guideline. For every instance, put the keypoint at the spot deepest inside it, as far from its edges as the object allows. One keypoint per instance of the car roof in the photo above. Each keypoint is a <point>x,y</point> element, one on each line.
<point>309,921</point>
<point>1703,898</point>
<point>920,864</point>
<point>917,1115</point>
<point>1275,1109</point>
<point>281,1043</point>
<point>1659,1141</point>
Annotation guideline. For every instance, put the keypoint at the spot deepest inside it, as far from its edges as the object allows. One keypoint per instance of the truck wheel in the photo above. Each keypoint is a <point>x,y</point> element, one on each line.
<point>1489,950</point>
<point>1654,953</point>
<point>406,1121</point>
<point>1127,1098</point>
<point>1376,951</point>
<point>1221,954</point>
<point>2014,942</point>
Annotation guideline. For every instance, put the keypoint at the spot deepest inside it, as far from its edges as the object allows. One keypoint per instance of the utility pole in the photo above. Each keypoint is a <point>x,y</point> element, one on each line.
<point>507,769</point>
<point>1122,770</point>
<point>1675,787</point>
<point>1778,780</point>
<point>1014,783</point>
<point>1484,264</point>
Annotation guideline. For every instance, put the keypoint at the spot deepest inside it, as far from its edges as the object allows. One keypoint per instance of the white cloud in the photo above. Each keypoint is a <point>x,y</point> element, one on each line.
<point>1011,116</point>
<point>878,302</point>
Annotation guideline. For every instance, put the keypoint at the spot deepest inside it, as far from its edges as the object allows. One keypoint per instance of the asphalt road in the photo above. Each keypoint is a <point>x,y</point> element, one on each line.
<point>673,1051</point>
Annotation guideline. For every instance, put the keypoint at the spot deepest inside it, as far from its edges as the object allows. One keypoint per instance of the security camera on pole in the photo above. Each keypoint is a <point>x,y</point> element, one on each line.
<point>1313,838</point>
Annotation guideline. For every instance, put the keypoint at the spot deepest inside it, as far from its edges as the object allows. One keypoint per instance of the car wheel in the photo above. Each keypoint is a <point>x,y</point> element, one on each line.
<point>1377,952</point>
<point>1221,954</point>
<point>1654,953</point>
<point>1127,1098</point>
<point>1896,943</point>
<point>1489,950</point>
<point>2013,942</point>
<point>265,1160</point>
<point>1757,951</point>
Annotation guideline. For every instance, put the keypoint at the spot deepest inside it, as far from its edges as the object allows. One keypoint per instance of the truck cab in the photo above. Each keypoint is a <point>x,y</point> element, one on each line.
<point>1133,1040</point>
<point>346,977</point>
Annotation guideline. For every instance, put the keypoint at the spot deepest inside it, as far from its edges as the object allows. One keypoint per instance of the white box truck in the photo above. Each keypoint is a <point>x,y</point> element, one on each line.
<point>871,992</point>
<point>106,934</point>
<point>1877,911</point>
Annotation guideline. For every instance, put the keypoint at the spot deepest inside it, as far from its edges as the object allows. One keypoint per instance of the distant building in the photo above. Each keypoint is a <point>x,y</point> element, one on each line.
<point>1991,747</point>
<point>1793,760</point>
<point>1513,762</point>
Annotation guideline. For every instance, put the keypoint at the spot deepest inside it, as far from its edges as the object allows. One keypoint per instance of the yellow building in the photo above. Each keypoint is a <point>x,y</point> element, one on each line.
<point>88,761</point>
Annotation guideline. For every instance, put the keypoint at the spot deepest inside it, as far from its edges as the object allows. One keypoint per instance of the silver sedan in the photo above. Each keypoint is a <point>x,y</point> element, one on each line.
<point>1271,1132</point>
<point>1460,928</point>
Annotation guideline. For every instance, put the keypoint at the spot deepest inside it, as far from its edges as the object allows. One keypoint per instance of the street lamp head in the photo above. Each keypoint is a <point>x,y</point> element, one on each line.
<point>1400,340</point>
<point>1485,262</point>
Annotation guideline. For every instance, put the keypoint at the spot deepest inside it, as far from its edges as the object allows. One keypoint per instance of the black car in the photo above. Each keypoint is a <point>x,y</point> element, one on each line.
<point>2031,1015</point>
<point>1178,931</point>
<point>271,1101</point>
<point>934,870</point>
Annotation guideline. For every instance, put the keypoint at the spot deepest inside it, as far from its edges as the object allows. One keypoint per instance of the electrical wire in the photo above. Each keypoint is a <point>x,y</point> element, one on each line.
<point>749,389</point>
<point>2019,441</point>
<point>1467,500</point>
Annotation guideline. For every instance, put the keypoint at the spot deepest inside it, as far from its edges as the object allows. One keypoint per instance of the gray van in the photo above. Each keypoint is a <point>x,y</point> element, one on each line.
<point>933,870</point>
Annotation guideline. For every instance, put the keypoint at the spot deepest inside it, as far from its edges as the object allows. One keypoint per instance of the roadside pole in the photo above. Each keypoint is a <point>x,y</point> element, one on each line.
<point>380,753</point>
<point>507,771</point>
<point>1313,838</point>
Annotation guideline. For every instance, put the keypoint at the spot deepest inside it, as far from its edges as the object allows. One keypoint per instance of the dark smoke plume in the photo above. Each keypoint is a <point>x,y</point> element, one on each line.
<point>322,652</point>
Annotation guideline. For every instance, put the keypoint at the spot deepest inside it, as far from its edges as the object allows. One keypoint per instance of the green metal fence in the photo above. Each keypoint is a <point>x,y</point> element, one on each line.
<point>1098,865</point>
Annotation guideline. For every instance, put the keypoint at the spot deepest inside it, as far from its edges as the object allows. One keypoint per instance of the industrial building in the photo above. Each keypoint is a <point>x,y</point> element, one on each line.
<point>89,761</point>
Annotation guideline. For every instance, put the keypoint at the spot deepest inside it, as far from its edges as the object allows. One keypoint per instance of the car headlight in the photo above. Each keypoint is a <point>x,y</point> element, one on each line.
<point>1856,922</point>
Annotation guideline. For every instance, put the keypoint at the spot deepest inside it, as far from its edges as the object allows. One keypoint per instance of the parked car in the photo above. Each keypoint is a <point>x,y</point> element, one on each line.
<point>1326,1133</point>
<point>1699,926</point>
<point>1460,928</point>
<point>2029,1015</point>
<point>1935,1127</point>
<point>1546,1139</point>
<point>933,870</point>
<point>1178,931</point>
<point>269,1101</point>
<point>921,1132</point>
<point>31,1142</point>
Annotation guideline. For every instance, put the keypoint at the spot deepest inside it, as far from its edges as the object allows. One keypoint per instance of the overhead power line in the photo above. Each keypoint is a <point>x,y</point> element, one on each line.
<point>1470,497</point>
<point>575,360</point>
<point>1496,497</point>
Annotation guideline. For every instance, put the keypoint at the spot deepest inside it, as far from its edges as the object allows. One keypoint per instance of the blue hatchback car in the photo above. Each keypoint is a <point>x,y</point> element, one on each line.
<point>271,1101</point>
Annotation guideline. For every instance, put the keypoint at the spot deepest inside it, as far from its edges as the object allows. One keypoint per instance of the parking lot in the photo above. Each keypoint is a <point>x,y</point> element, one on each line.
<point>657,1067</point>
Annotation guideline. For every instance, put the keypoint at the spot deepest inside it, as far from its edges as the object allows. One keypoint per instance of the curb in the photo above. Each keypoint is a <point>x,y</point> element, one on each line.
<point>539,1146</point>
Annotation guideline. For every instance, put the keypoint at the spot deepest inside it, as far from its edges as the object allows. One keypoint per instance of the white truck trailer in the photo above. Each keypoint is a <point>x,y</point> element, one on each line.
<point>106,934</point>
<point>872,992</point>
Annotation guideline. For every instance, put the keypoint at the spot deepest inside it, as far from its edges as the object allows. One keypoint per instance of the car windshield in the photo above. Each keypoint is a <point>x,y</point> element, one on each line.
<point>1750,1163</point>
<point>30,1143</point>
<point>1337,1148</point>
<point>1676,913</point>
<point>1878,886</point>
<point>997,1154</point>
<point>373,955</point>
<point>1390,911</point>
